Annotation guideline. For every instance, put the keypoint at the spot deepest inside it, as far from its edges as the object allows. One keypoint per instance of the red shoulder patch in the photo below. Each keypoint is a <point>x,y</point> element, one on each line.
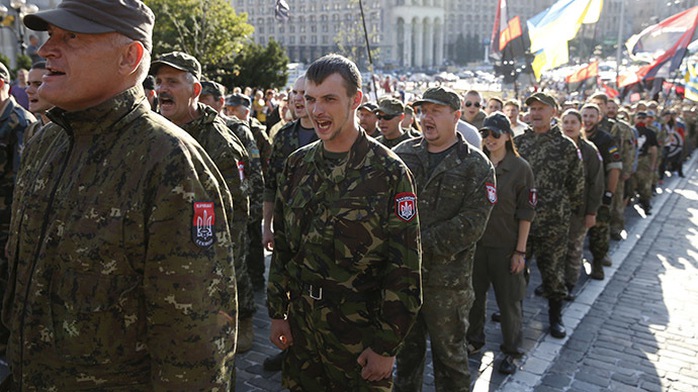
<point>202,225</point>
<point>406,206</point>
<point>491,192</point>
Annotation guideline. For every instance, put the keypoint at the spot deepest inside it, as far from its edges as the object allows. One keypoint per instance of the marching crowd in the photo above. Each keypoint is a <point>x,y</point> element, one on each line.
<point>139,197</point>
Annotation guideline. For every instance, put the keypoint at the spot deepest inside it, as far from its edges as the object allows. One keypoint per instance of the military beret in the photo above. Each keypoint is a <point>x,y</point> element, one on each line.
<point>131,18</point>
<point>178,60</point>
<point>390,106</point>
<point>440,96</point>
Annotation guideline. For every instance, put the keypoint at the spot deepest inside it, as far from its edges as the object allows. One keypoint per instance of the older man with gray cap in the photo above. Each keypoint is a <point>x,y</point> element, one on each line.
<point>559,173</point>
<point>121,273</point>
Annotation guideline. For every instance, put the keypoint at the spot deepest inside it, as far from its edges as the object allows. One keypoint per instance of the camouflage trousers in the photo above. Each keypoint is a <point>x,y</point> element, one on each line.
<point>644,177</point>
<point>618,208</point>
<point>246,305</point>
<point>327,340</point>
<point>494,265</point>
<point>444,318</point>
<point>548,244</point>
<point>600,234</point>
<point>575,247</point>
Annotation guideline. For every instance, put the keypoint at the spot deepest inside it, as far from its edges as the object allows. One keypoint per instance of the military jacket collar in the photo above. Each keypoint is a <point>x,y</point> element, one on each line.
<point>101,118</point>
<point>354,160</point>
<point>553,132</point>
<point>207,115</point>
<point>452,160</point>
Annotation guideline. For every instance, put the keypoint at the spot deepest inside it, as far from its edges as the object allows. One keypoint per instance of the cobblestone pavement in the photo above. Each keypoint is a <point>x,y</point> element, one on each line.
<point>598,354</point>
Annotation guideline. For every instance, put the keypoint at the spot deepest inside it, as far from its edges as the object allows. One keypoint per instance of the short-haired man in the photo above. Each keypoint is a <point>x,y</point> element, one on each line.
<point>559,173</point>
<point>390,114</point>
<point>345,284</point>
<point>367,118</point>
<point>512,109</point>
<point>472,109</point>
<point>122,272</point>
<point>494,104</point>
<point>456,192</point>
<point>600,233</point>
<point>177,82</point>
<point>37,105</point>
<point>648,151</point>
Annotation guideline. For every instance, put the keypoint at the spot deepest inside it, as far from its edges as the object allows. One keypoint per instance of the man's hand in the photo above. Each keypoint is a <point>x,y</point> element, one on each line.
<point>518,263</point>
<point>280,334</point>
<point>589,221</point>
<point>267,239</point>
<point>375,367</point>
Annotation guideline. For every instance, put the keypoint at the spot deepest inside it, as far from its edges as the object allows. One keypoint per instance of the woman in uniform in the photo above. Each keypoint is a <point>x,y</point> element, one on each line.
<point>500,253</point>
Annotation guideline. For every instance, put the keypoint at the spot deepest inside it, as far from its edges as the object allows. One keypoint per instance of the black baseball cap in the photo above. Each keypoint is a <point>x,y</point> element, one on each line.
<point>497,122</point>
<point>370,106</point>
<point>238,99</point>
<point>131,18</point>
<point>214,88</point>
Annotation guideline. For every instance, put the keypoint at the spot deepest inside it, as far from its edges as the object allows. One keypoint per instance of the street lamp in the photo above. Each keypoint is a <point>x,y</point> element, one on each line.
<point>21,8</point>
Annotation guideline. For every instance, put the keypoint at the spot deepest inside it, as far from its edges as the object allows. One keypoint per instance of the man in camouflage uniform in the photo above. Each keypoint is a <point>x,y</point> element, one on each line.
<point>121,272</point>
<point>213,95</point>
<point>344,284</point>
<point>177,76</point>
<point>648,151</point>
<point>600,233</point>
<point>559,172</point>
<point>367,118</point>
<point>390,114</point>
<point>624,139</point>
<point>456,193</point>
<point>14,121</point>
<point>238,106</point>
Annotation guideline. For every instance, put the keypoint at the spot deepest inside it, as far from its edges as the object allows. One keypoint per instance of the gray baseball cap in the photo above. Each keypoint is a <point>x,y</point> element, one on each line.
<point>178,60</point>
<point>441,96</point>
<point>131,18</point>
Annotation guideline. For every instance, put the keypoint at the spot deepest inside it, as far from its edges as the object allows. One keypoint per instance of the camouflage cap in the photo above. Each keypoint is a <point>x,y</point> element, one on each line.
<point>131,18</point>
<point>215,89</point>
<point>4,73</point>
<point>370,106</point>
<point>390,106</point>
<point>497,122</point>
<point>178,60</point>
<point>545,99</point>
<point>440,96</point>
<point>238,100</point>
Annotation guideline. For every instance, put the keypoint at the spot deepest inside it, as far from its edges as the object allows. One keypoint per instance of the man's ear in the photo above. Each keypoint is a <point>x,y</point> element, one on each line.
<point>131,58</point>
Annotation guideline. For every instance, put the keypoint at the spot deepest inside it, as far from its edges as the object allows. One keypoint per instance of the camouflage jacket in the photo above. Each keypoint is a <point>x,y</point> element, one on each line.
<point>594,178</point>
<point>353,231</point>
<point>253,167</point>
<point>120,259</point>
<point>455,202</point>
<point>624,136</point>
<point>14,120</point>
<point>391,143</point>
<point>259,131</point>
<point>286,141</point>
<point>559,174</point>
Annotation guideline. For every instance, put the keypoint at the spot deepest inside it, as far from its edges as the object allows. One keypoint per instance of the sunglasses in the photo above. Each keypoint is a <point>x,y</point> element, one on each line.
<point>469,104</point>
<point>386,117</point>
<point>487,132</point>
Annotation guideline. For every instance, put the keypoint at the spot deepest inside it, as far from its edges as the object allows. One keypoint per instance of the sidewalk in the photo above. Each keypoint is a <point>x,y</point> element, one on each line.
<point>637,329</point>
<point>581,361</point>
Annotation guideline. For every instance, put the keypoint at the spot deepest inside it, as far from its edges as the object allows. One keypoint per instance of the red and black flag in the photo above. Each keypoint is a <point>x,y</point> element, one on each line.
<point>583,78</point>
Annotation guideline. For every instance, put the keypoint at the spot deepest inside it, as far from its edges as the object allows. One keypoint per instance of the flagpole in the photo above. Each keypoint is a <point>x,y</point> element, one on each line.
<point>620,37</point>
<point>368,49</point>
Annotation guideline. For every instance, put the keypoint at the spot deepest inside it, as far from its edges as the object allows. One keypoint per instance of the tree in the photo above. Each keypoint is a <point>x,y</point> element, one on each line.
<point>257,66</point>
<point>461,50</point>
<point>209,30</point>
<point>351,40</point>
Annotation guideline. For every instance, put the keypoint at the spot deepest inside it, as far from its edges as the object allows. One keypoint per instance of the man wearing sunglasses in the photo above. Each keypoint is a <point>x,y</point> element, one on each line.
<point>456,194</point>
<point>472,109</point>
<point>390,114</point>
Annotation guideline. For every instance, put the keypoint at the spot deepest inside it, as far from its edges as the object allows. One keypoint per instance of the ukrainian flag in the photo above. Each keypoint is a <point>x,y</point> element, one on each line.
<point>691,83</point>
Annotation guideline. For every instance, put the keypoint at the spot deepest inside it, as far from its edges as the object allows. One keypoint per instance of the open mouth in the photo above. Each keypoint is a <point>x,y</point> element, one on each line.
<point>323,125</point>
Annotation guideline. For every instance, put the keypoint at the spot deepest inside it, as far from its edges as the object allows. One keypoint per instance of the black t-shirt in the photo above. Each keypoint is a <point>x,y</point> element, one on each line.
<point>646,139</point>
<point>436,157</point>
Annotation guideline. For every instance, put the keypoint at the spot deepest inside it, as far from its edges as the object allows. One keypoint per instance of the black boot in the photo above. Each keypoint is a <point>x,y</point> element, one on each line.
<point>570,296</point>
<point>557,328</point>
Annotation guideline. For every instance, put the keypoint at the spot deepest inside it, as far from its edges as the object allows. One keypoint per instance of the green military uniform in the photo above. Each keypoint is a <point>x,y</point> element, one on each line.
<point>594,185</point>
<point>255,254</point>
<point>15,121</point>
<point>644,176</point>
<point>346,263</point>
<point>121,257</point>
<point>625,140</point>
<point>559,173</point>
<point>600,234</point>
<point>287,140</point>
<point>456,196</point>
<point>227,152</point>
<point>390,143</point>
<point>254,189</point>
<point>516,200</point>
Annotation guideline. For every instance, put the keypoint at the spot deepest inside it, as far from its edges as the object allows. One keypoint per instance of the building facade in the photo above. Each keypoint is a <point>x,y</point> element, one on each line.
<point>13,33</point>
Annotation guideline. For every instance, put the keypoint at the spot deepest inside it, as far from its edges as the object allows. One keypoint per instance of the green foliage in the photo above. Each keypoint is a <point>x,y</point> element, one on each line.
<point>209,30</point>
<point>256,66</point>
<point>23,61</point>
